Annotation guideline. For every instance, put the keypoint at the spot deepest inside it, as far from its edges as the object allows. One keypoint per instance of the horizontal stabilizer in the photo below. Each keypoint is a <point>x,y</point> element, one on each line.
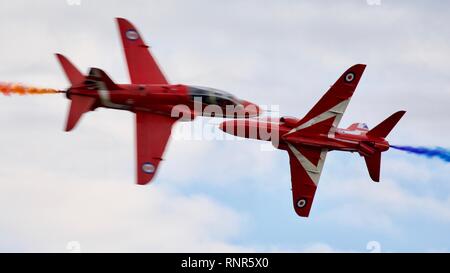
<point>384,128</point>
<point>73,74</point>
<point>78,106</point>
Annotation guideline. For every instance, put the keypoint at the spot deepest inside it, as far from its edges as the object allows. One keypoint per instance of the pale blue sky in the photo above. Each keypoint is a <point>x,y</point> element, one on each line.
<point>225,195</point>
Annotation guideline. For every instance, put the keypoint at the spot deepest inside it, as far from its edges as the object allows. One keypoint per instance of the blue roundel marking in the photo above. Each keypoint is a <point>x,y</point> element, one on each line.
<point>349,77</point>
<point>301,203</point>
<point>148,168</point>
<point>132,34</point>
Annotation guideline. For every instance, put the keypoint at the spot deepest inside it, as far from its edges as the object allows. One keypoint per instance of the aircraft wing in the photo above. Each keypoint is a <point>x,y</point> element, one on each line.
<point>325,116</point>
<point>142,67</point>
<point>306,167</point>
<point>152,134</point>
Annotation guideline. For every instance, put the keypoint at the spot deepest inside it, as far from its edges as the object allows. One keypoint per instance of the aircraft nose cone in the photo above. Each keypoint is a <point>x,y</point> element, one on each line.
<point>222,126</point>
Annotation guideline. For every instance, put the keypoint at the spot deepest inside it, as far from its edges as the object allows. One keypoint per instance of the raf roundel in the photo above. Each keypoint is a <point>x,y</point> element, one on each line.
<point>301,203</point>
<point>349,77</point>
<point>132,35</point>
<point>148,168</point>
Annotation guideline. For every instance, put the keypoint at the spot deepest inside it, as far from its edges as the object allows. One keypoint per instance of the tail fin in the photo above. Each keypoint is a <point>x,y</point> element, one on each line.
<point>101,80</point>
<point>79,104</point>
<point>373,163</point>
<point>73,74</point>
<point>384,128</point>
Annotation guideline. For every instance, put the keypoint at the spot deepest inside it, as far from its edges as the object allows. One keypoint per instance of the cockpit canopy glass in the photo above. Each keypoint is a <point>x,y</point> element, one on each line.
<point>363,126</point>
<point>212,96</point>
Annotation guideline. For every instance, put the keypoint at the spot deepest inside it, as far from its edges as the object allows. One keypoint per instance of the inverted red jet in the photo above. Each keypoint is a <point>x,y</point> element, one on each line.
<point>308,140</point>
<point>156,103</point>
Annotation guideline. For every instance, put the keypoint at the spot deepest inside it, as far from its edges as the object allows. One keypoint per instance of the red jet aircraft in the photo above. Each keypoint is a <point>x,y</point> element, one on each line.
<point>156,103</point>
<point>308,140</point>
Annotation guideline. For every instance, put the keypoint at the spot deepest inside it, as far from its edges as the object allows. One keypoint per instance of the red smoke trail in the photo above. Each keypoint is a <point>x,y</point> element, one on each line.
<point>19,89</point>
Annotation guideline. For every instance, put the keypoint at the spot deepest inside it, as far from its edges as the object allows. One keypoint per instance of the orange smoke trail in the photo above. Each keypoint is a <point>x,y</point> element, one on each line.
<point>19,89</point>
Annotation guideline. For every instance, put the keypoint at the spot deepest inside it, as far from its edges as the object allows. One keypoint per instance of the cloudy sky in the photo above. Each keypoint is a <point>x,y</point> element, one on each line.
<point>61,190</point>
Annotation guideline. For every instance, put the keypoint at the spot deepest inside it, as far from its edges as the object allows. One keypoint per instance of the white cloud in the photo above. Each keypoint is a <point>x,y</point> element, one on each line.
<point>45,214</point>
<point>380,206</point>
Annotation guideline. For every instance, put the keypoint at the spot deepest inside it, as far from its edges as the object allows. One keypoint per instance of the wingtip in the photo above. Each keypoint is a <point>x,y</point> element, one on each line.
<point>361,66</point>
<point>119,19</point>
<point>399,114</point>
<point>144,178</point>
<point>302,213</point>
<point>375,179</point>
<point>123,22</point>
<point>59,56</point>
<point>353,74</point>
<point>69,127</point>
<point>144,181</point>
<point>62,58</point>
<point>356,68</point>
<point>357,65</point>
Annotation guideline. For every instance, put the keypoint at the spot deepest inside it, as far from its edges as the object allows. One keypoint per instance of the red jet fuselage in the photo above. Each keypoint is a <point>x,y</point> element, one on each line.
<point>278,131</point>
<point>181,100</point>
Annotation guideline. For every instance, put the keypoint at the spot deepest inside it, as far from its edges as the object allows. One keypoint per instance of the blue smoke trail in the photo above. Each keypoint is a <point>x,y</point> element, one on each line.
<point>438,152</point>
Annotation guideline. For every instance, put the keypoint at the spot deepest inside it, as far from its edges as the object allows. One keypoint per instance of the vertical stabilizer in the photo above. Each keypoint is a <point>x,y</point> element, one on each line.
<point>373,163</point>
